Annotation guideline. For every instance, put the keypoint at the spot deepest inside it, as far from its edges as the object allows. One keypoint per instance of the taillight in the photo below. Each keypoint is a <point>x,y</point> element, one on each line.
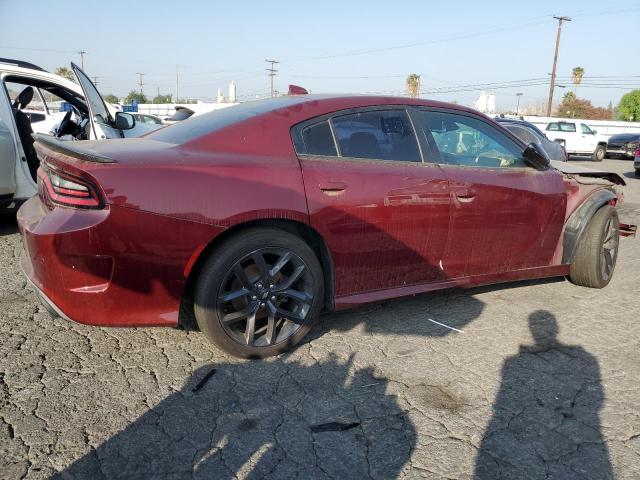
<point>68,190</point>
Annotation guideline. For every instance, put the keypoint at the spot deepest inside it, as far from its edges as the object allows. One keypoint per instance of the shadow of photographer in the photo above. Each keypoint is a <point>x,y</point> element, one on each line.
<point>545,423</point>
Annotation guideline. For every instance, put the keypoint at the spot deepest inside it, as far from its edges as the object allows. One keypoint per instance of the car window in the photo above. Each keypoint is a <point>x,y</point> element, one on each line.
<point>523,133</point>
<point>567,127</point>
<point>318,140</point>
<point>553,127</point>
<point>585,129</point>
<point>468,141</point>
<point>383,134</point>
<point>15,89</point>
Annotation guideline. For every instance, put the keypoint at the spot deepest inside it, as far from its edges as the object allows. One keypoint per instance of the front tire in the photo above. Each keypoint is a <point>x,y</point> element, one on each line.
<point>599,153</point>
<point>259,293</point>
<point>597,252</point>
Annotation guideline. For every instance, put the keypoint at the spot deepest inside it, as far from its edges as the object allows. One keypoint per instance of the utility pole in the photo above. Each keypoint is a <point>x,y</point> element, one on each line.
<point>140,81</point>
<point>176,99</point>
<point>82,52</point>
<point>555,61</point>
<point>95,81</point>
<point>272,72</point>
<point>518,104</point>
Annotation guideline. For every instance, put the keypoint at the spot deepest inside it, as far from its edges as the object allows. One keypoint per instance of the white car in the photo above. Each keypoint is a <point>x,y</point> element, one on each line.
<point>578,139</point>
<point>31,100</point>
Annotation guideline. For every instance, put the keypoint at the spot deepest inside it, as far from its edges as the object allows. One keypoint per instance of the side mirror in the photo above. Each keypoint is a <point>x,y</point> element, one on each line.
<point>535,156</point>
<point>594,131</point>
<point>125,121</point>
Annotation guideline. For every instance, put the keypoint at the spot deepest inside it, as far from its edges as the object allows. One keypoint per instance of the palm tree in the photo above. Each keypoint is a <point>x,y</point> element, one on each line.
<point>413,85</point>
<point>576,76</point>
<point>65,72</point>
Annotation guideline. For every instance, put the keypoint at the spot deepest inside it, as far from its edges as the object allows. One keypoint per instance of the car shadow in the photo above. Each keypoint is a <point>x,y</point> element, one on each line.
<point>283,419</point>
<point>456,308</point>
<point>631,174</point>
<point>8,225</point>
<point>545,420</point>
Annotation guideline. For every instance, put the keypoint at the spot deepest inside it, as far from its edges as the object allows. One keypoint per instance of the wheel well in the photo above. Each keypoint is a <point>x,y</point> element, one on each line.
<point>577,222</point>
<point>604,144</point>
<point>305,232</point>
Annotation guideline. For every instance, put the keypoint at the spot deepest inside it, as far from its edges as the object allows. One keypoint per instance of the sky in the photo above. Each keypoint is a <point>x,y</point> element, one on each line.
<point>458,47</point>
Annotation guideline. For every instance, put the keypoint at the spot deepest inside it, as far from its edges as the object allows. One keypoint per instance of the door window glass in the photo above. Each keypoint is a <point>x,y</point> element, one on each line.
<point>318,140</point>
<point>585,129</point>
<point>471,142</point>
<point>553,127</point>
<point>384,134</point>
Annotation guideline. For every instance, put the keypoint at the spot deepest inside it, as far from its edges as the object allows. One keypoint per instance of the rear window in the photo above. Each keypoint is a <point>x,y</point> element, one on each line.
<point>200,125</point>
<point>567,127</point>
<point>318,140</point>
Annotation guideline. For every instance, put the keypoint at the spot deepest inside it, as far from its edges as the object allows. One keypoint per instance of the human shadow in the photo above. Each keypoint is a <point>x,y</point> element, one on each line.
<point>545,423</point>
<point>253,420</point>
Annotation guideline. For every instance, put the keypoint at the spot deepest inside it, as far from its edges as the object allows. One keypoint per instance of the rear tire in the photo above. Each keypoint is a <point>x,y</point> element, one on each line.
<point>599,153</point>
<point>259,293</point>
<point>595,258</point>
<point>637,173</point>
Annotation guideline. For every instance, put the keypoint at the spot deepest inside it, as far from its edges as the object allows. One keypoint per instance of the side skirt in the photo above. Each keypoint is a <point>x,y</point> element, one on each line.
<point>348,301</point>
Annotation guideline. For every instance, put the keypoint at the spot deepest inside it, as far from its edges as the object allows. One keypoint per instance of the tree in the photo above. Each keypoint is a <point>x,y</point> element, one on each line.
<point>136,97</point>
<point>576,77</point>
<point>574,107</point>
<point>629,106</point>
<point>162,98</point>
<point>66,73</point>
<point>111,98</point>
<point>413,85</point>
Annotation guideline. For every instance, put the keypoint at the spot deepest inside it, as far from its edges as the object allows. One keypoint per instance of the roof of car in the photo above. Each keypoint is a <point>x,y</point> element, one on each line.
<point>296,108</point>
<point>21,64</point>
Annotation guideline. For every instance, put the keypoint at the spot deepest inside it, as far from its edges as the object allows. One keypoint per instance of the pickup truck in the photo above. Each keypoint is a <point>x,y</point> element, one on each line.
<point>578,139</point>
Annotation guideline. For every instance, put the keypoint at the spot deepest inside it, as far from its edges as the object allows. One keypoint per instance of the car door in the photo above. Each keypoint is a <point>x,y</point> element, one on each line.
<point>383,213</point>
<point>101,119</point>
<point>589,139</point>
<point>505,215</point>
<point>8,151</point>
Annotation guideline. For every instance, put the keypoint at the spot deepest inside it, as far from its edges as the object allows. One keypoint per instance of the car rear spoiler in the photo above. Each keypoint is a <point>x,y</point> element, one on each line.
<point>68,148</point>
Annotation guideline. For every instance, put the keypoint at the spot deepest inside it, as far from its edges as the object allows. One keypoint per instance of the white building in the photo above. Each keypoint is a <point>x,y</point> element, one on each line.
<point>486,103</point>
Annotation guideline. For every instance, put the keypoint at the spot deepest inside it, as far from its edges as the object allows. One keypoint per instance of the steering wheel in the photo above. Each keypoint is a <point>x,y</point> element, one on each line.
<point>64,124</point>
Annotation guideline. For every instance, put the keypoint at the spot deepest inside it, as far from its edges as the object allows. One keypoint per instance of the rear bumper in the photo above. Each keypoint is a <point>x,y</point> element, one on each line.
<point>51,307</point>
<point>112,267</point>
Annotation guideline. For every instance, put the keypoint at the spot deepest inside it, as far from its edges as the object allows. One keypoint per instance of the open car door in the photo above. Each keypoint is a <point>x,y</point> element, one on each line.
<point>8,153</point>
<point>102,122</point>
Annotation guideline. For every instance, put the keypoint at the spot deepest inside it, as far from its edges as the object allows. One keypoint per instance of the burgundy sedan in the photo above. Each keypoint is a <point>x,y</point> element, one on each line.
<point>249,221</point>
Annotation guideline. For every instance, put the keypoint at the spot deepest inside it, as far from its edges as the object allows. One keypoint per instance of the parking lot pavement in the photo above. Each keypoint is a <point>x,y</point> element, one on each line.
<point>544,375</point>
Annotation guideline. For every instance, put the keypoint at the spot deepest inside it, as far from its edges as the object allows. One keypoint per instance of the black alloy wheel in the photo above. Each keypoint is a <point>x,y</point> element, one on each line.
<point>259,293</point>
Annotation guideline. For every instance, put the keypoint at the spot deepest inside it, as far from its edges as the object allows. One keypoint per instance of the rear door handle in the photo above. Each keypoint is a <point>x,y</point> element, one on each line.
<point>332,188</point>
<point>464,195</point>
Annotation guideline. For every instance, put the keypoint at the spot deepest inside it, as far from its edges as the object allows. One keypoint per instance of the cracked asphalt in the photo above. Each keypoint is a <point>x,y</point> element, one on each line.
<point>542,383</point>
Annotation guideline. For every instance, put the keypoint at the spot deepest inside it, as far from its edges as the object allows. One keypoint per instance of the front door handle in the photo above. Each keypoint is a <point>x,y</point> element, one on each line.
<point>332,188</point>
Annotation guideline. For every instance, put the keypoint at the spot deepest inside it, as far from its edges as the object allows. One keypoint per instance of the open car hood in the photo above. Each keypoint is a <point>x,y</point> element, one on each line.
<point>569,169</point>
